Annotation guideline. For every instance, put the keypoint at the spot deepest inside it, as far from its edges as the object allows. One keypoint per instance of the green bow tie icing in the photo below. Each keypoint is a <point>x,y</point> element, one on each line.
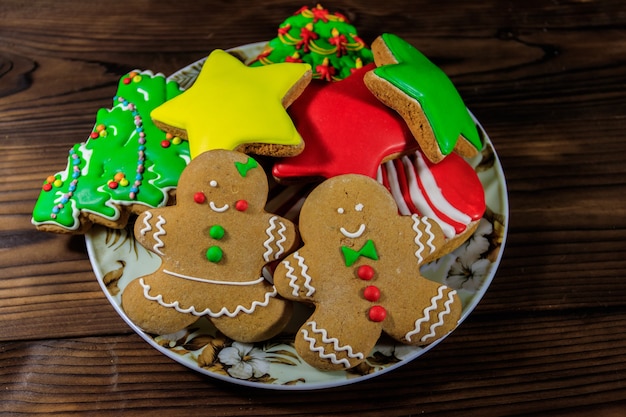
<point>368,250</point>
<point>420,79</point>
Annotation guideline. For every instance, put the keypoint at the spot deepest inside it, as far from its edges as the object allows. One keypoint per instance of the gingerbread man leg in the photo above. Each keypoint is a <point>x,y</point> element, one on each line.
<point>268,319</point>
<point>428,312</point>
<point>341,348</point>
<point>149,315</point>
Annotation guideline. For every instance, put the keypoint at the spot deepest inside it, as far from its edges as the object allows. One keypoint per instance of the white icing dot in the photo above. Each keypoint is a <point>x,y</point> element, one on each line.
<point>359,207</point>
<point>340,210</point>
<point>213,183</point>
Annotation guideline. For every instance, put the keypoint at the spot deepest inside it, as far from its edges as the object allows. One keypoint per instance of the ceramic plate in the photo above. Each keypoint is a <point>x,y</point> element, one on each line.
<point>117,259</point>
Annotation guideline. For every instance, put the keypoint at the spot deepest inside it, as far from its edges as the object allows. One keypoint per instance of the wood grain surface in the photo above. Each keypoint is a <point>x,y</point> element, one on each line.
<point>546,79</point>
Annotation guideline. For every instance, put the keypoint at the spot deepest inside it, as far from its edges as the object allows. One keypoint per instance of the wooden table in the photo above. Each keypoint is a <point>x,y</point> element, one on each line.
<point>546,79</point>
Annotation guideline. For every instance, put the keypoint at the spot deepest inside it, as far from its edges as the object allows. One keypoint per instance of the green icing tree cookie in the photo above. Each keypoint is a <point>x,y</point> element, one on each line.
<point>126,165</point>
<point>324,40</point>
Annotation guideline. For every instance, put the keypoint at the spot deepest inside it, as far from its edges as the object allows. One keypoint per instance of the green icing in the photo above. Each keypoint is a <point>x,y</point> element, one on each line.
<point>291,40</point>
<point>422,80</point>
<point>368,251</point>
<point>244,167</point>
<point>92,165</point>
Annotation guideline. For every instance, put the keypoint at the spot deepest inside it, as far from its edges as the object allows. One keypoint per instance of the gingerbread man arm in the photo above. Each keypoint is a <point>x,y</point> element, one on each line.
<point>280,238</point>
<point>428,239</point>
<point>149,230</point>
<point>293,278</point>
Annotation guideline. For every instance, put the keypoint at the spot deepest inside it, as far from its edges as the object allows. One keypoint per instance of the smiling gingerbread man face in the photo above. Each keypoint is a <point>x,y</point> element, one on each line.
<point>359,266</point>
<point>213,244</point>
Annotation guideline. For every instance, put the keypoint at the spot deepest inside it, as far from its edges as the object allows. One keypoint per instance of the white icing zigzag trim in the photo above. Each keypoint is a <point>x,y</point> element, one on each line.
<point>428,310</point>
<point>146,222</point>
<point>293,278</point>
<point>158,234</point>
<point>418,237</point>
<point>329,340</point>
<point>270,238</point>
<point>207,312</point>
<point>440,316</point>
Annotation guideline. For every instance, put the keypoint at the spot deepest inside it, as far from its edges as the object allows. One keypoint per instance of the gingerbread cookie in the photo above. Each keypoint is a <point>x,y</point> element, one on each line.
<point>214,244</point>
<point>234,107</point>
<point>346,130</point>
<point>326,41</point>
<point>360,266</point>
<point>125,166</point>
<point>424,96</point>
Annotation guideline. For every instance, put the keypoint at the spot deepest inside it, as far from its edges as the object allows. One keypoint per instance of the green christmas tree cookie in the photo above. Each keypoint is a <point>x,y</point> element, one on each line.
<point>126,165</point>
<point>324,40</point>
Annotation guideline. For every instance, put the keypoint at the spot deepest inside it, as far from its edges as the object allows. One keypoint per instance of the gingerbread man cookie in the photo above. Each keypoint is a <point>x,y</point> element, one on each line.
<point>359,266</point>
<point>214,244</point>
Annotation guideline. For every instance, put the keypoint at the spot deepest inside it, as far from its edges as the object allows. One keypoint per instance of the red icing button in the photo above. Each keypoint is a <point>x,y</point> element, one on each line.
<point>47,187</point>
<point>365,272</point>
<point>377,313</point>
<point>113,185</point>
<point>94,135</point>
<point>371,293</point>
<point>241,205</point>
<point>165,143</point>
<point>199,197</point>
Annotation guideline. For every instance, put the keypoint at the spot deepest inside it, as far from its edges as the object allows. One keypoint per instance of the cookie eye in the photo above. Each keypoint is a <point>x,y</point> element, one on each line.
<point>340,210</point>
<point>213,183</point>
<point>359,207</point>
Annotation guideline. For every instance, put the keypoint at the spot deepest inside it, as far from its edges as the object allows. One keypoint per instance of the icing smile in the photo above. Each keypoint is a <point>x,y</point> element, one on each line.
<point>353,235</point>
<point>217,209</point>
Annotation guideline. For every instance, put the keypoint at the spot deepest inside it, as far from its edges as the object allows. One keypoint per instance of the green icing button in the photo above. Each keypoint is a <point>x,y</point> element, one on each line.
<point>214,254</point>
<point>216,232</point>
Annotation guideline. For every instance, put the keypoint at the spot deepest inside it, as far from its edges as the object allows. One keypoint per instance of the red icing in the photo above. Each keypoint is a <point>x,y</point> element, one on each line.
<point>319,13</point>
<point>241,205</point>
<point>459,185</point>
<point>371,293</point>
<point>47,187</point>
<point>346,130</point>
<point>199,197</point>
<point>377,313</point>
<point>365,272</point>
<point>456,179</point>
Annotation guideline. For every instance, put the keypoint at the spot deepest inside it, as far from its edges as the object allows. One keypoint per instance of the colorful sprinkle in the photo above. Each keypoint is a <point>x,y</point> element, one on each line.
<point>241,205</point>
<point>216,232</point>
<point>199,197</point>
<point>365,272</point>
<point>214,254</point>
<point>377,313</point>
<point>371,293</point>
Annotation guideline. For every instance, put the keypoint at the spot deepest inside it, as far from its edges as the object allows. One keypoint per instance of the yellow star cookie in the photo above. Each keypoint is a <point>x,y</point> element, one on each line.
<point>234,107</point>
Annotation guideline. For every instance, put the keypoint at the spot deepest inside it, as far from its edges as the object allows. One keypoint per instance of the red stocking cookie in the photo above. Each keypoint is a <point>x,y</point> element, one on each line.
<point>213,244</point>
<point>359,266</point>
